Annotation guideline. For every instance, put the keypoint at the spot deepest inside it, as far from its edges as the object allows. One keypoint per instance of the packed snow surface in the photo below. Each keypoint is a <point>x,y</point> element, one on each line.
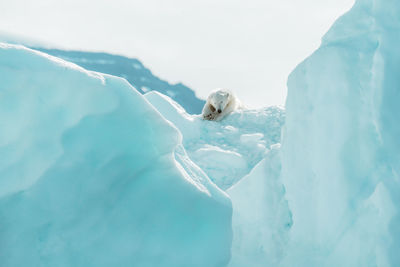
<point>228,149</point>
<point>92,175</point>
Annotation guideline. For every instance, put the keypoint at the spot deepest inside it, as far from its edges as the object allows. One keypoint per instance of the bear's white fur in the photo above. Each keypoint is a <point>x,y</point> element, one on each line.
<point>220,103</point>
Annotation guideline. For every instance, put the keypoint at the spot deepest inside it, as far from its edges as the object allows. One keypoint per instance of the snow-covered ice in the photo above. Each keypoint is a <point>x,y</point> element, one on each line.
<point>229,149</point>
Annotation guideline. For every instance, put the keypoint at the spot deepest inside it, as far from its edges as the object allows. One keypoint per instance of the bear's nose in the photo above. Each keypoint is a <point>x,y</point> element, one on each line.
<point>219,111</point>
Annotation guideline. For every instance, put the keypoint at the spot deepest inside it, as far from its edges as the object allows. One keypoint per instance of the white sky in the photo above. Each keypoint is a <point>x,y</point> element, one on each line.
<point>248,46</point>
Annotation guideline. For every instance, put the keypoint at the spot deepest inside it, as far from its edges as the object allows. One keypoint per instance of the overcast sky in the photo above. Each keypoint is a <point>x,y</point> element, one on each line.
<point>248,46</point>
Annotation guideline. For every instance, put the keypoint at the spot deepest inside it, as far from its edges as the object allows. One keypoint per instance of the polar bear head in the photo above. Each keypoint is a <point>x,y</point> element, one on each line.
<point>219,100</point>
<point>220,103</point>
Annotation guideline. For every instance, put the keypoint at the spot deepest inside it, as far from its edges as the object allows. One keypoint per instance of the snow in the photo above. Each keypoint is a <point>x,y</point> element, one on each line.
<point>341,144</point>
<point>86,178</point>
<point>229,149</point>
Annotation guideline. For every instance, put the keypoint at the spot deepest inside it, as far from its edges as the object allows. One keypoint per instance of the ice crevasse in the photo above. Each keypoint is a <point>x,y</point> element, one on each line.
<point>87,178</point>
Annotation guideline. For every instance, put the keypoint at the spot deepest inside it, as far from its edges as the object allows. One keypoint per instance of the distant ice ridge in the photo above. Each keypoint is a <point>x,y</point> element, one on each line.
<point>229,149</point>
<point>341,146</point>
<point>134,72</point>
<point>92,175</point>
<point>129,68</point>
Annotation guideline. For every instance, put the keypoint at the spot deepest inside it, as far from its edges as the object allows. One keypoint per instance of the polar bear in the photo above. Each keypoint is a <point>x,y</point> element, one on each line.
<point>220,103</point>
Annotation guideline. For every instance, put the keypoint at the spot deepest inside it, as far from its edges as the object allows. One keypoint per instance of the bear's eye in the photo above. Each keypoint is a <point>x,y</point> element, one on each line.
<point>212,108</point>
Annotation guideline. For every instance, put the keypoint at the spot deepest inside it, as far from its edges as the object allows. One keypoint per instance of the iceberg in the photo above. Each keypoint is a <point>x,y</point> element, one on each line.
<point>92,175</point>
<point>340,150</point>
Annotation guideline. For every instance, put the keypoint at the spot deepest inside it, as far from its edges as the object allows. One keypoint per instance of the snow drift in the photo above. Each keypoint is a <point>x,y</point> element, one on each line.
<point>92,175</point>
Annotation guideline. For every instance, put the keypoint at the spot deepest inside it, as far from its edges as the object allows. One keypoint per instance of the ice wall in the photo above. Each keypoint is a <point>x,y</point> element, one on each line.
<point>92,175</point>
<point>341,159</point>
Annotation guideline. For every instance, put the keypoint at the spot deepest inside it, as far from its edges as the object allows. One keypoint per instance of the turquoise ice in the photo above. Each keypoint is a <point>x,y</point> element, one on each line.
<point>92,175</point>
<point>341,145</point>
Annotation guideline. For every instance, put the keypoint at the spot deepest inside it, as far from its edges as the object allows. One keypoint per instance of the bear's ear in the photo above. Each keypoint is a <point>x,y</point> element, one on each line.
<point>212,108</point>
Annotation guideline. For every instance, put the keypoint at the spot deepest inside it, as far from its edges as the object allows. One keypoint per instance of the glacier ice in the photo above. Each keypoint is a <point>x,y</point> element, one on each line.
<point>87,178</point>
<point>340,150</point>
